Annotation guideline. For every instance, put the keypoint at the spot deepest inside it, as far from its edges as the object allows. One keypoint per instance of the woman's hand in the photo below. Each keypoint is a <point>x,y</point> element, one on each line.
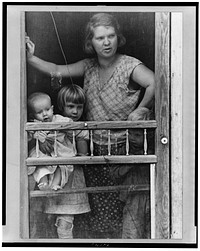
<point>139,113</point>
<point>30,47</point>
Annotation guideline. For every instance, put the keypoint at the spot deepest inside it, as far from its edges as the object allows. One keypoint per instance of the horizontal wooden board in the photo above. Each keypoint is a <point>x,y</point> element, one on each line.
<point>93,160</point>
<point>90,125</point>
<point>51,193</point>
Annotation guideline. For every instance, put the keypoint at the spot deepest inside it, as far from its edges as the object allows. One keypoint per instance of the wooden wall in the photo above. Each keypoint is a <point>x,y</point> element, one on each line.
<point>137,27</point>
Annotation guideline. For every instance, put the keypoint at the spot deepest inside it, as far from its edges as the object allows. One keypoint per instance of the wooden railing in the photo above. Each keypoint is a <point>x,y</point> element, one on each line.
<point>104,159</point>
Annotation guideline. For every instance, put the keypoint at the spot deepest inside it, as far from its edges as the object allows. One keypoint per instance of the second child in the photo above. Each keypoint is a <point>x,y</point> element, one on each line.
<point>136,212</point>
<point>71,101</point>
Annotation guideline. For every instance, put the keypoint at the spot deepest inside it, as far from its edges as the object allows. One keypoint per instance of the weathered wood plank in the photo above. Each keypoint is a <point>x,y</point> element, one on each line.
<point>176,125</point>
<point>89,125</point>
<point>152,200</point>
<point>162,73</point>
<point>131,188</point>
<point>24,201</point>
<point>130,159</point>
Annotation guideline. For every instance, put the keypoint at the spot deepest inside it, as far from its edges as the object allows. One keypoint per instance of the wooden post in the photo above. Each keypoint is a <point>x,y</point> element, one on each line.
<point>176,126</point>
<point>24,198</point>
<point>152,199</point>
<point>162,72</point>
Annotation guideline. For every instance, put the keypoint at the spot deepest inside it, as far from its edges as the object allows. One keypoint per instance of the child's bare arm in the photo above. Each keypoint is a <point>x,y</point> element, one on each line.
<point>56,180</point>
<point>82,147</point>
<point>45,145</point>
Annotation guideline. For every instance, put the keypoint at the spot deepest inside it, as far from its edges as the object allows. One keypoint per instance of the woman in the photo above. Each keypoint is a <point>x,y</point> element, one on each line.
<point>112,83</point>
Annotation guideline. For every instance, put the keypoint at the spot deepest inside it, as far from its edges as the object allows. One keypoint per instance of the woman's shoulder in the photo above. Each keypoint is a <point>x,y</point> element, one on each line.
<point>90,62</point>
<point>130,59</point>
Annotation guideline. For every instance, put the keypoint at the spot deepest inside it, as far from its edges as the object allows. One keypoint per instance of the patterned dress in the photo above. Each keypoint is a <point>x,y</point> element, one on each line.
<point>110,101</point>
<point>136,213</point>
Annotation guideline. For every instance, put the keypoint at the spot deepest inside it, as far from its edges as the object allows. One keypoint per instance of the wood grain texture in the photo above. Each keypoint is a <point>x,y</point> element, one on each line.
<point>162,72</point>
<point>93,160</point>
<point>24,201</point>
<point>90,125</point>
<point>176,126</point>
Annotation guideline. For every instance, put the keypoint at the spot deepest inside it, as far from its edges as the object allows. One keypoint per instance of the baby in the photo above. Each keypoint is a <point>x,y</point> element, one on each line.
<point>51,176</point>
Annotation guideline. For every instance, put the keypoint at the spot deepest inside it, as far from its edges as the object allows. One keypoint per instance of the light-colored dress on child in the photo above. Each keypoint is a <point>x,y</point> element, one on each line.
<point>72,175</point>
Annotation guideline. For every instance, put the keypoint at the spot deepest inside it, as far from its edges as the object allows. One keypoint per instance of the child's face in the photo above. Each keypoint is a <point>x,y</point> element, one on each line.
<point>73,111</point>
<point>43,110</point>
<point>136,136</point>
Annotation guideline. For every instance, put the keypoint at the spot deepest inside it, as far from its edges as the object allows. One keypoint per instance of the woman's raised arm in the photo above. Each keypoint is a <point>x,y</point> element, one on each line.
<point>73,70</point>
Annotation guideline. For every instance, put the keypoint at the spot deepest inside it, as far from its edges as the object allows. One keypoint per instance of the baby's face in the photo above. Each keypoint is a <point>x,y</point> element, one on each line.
<point>43,110</point>
<point>136,136</point>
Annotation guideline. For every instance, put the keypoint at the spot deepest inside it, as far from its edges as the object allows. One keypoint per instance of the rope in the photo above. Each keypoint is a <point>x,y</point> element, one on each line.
<point>56,30</point>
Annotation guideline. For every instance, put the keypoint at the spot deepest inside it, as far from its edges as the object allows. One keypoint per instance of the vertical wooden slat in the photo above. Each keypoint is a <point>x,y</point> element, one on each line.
<point>127,142</point>
<point>145,141</point>
<point>37,144</point>
<point>176,125</point>
<point>162,72</point>
<point>55,143</point>
<point>24,199</point>
<point>109,144</point>
<point>74,143</point>
<point>91,143</point>
<point>152,196</point>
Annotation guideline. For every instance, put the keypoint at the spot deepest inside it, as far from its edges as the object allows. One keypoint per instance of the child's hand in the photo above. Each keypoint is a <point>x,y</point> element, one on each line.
<point>30,47</point>
<point>40,135</point>
<point>56,187</point>
<point>46,147</point>
<point>30,135</point>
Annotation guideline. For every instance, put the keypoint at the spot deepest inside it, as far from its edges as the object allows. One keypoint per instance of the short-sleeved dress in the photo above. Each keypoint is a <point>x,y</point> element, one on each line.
<point>112,101</point>
<point>69,203</point>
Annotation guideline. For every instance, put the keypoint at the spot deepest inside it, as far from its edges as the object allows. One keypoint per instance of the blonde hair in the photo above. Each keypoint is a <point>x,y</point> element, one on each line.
<point>70,93</point>
<point>34,97</point>
<point>101,19</point>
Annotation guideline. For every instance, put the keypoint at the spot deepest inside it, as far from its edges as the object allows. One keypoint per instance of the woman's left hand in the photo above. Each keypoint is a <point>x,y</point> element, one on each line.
<point>30,47</point>
<point>138,113</point>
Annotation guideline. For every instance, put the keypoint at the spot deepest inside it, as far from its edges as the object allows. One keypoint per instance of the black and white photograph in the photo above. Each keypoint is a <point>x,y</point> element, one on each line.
<point>100,125</point>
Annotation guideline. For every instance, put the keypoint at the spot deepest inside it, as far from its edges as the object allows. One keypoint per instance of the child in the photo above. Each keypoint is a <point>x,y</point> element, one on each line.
<point>136,213</point>
<point>71,101</point>
<point>49,177</point>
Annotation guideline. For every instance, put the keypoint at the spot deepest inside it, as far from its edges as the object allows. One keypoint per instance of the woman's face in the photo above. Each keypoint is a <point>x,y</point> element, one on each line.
<point>104,41</point>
